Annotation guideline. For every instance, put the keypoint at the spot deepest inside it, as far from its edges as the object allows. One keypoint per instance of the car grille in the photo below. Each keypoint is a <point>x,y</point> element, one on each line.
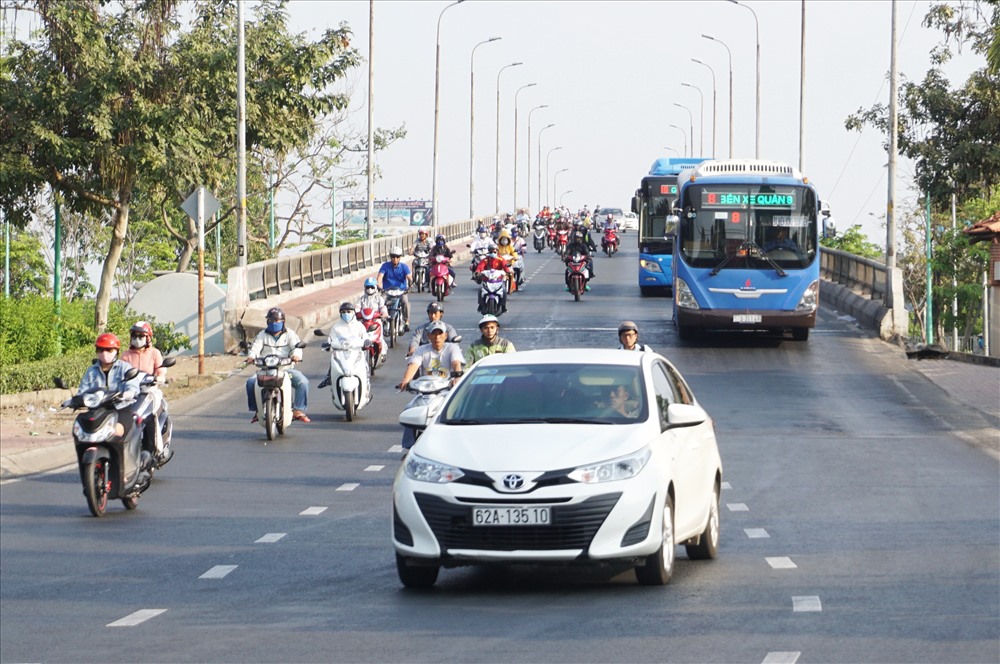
<point>573,526</point>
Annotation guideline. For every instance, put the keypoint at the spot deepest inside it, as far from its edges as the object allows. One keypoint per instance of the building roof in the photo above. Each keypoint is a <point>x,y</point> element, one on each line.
<point>987,229</point>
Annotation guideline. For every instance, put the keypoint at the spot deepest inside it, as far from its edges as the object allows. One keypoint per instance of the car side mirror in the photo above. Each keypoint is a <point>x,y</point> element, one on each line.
<point>681,415</point>
<point>415,417</point>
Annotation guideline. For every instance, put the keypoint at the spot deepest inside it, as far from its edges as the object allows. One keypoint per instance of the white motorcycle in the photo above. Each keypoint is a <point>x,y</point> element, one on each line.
<point>492,291</point>
<point>431,392</point>
<point>274,393</point>
<point>350,386</point>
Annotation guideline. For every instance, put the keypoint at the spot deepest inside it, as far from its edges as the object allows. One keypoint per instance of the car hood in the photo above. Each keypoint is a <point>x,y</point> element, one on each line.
<point>528,447</point>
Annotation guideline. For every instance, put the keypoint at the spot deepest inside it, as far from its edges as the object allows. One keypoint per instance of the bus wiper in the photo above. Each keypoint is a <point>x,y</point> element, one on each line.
<point>747,246</point>
<point>725,261</point>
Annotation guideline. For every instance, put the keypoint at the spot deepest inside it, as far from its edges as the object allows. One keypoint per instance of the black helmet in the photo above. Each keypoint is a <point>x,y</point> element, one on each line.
<point>435,307</point>
<point>346,306</point>
<point>275,314</point>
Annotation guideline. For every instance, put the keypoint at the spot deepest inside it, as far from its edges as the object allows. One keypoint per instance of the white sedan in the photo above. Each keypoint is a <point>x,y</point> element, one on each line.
<point>560,456</point>
<point>629,222</point>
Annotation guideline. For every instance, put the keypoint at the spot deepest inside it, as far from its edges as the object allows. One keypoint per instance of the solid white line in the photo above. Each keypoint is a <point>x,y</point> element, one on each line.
<point>312,511</point>
<point>738,507</point>
<point>373,469</point>
<point>781,562</point>
<point>270,538</point>
<point>218,572</point>
<point>779,657</point>
<point>756,533</point>
<point>349,486</point>
<point>806,603</point>
<point>133,619</point>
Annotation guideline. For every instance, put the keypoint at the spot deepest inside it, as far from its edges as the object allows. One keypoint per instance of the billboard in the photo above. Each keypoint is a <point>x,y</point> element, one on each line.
<point>399,214</point>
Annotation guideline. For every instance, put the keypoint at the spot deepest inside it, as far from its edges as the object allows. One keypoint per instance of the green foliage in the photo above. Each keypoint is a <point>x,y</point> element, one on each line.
<point>29,273</point>
<point>31,376</point>
<point>853,241</point>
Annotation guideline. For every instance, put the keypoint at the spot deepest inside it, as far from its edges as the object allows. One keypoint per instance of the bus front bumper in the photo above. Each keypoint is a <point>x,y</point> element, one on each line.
<point>740,319</point>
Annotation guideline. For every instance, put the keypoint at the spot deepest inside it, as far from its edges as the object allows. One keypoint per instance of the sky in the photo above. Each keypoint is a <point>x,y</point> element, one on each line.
<point>610,74</point>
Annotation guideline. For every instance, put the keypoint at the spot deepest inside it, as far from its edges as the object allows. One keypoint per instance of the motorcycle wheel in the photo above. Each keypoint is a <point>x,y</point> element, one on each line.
<point>350,407</point>
<point>371,363</point>
<point>439,291</point>
<point>95,487</point>
<point>392,331</point>
<point>270,419</point>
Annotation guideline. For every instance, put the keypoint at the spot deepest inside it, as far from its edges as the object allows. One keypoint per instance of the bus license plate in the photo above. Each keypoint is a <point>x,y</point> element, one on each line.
<point>512,515</point>
<point>746,318</point>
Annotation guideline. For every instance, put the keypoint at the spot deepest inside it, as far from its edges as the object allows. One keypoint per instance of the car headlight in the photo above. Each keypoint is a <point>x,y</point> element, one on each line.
<point>621,468</point>
<point>685,298</point>
<point>103,433</point>
<point>650,266</point>
<point>810,299</point>
<point>425,470</point>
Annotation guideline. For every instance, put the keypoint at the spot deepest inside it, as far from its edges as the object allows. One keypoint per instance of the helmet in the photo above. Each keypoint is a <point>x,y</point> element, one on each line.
<point>370,282</point>
<point>435,307</point>
<point>346,307</point>
<point>368,313</point>
<point>611,217</point>
<point>627,326</point>
<point>142,327</point>
<point>482,229</point>
<point>440,239</point>
<point>488,318</point>
<point>395,252</point>
<point>422,231</point>
<point>492,250</point>
<point>275,314</point>
<point>496,218</point>
<point>107,340</point>
<point>513,232</point>
<point>508,216</point>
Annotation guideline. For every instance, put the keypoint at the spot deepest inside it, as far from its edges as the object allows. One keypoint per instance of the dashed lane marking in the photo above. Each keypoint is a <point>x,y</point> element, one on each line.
<point>756,533</point>
<point>395,449</point>
<point>726,485</point>
<point>270,538</point>
<point>781,562</point>
<point>738,507</point>
<point>805,603</point>
<point>374,469</point>
<point>218,572</point>
<point>133,619</point>
<point>349,486</point>
<point>779,657</point>
<point>312,511</point>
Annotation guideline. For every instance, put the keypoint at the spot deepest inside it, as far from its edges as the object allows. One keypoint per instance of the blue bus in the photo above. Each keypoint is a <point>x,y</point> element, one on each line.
<point>746,255</point>
<point>652,203</point>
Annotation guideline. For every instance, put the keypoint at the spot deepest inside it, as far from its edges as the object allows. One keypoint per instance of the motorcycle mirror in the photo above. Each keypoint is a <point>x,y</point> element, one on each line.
<point>456,339</point>
<point>244,345</point>
<point>60,383</point>
<point>301,344</point>
<point>319,333</point>
<point>131,373</point>
<point>169,361</point>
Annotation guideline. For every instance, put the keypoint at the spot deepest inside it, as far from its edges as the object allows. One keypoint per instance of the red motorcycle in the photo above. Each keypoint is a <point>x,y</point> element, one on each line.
<point>551,239</point>
<point>609,243</point>
<point>562,239</point>
<point>440,277</point>
<point>375,352</point>
<point>577,274</point>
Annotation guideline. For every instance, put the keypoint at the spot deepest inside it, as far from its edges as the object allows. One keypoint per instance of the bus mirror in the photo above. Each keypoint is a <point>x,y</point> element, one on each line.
<point>671,226</point>
<point>824,208</point>
<point>635,204</point>
<point>829,226</point>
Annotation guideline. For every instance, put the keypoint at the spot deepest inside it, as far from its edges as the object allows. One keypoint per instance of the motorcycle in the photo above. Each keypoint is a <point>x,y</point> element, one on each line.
<point>274,393</point>
<point>540,235</point>
<point>350,387</point>
<point>440,277</point>
<point>577,274</point>
<point>394,304</point>
<point>421,267</point>
<point>492,289</point>
<point>609,243</point>
<point>430,393</point>
<point>518,268</point>
<point>478,254</point>
<point>551,236</point>
<point>375,352</point>
<point>108,442</point>
<point>562,240</point>
<point>155,424</point>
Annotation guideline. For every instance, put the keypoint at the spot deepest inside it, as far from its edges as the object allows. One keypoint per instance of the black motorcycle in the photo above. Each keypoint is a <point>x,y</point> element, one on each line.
<point>108,440</point>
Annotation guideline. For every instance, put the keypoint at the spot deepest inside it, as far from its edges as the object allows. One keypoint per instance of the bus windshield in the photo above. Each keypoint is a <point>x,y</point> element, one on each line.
<point>731,226</point>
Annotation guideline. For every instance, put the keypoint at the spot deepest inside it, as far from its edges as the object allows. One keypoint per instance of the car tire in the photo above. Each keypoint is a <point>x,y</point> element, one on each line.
<point>707,545</point>
<point>416,576</point>
<point>658,568</point>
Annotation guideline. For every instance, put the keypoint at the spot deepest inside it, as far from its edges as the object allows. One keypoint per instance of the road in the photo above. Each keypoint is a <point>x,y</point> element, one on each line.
<point>857,525</point>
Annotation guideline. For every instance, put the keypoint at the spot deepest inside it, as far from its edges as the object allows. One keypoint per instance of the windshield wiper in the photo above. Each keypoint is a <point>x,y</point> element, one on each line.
<point>747,246</point>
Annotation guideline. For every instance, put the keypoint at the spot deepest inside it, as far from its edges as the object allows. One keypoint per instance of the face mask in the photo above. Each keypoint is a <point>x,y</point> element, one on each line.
<point>138,342</point>
<point>370,290</point>
<point>346,316</point>
<point>276,326</point>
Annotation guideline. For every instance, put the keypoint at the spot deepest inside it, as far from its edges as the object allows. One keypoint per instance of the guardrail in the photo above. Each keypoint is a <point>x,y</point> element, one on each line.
<point>864,276</point>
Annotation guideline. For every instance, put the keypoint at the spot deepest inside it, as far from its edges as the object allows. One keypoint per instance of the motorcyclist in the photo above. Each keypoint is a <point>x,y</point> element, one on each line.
<point>369,318</point>
<point>479,246</point>
<point>396,275</point>
<point>108,371</point>
<point>145,357</point>
<point>610,224</point>
<point>347,328</point>
<point>505,247</point>
<point>520,246</point>
<point>422,245</point>
<point>278,339</point>
<point>581,242</point>
<point>373,299</point>
<point>435,312</point>
<point>489,343</point>
<point>441,248</point>
<point>492,261</point>
<point>628,335</point>
<point>437,358</point>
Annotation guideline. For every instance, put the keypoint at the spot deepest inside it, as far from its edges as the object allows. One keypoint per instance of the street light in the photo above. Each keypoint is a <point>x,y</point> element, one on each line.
<point>730,53</point>
<point>701,118</point>
<point>547,156</point>
<point>684,133</point>
<point>513,64</point>
<point>437,103</point>
<point>713,99</point>
<point>516,94</point>
<point>555,180</point>
<point>568,191</point>
<point>527,178</point>
<point>540,132</point>
<point>756,80</point>
<point>667,147</point>
<point>472,125</point>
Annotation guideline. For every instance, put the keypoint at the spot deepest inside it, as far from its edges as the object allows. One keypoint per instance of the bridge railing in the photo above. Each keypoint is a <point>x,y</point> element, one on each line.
<point>864,276</point>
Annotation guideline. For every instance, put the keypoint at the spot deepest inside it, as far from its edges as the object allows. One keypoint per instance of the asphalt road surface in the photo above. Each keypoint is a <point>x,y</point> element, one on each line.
<point>857,524</point>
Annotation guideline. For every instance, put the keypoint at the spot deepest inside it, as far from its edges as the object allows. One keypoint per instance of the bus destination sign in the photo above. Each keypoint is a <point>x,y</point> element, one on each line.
<point>731,199</point>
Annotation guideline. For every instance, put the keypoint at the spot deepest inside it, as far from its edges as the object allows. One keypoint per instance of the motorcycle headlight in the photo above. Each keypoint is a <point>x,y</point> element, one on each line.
<point>685,298</point>
<point>612,470</point>
<point>271,361</point>
<point>810,299</point>
<point>425,470</point>
<point>650,266</point>
<point>93,399</point>
<point>103,433</point>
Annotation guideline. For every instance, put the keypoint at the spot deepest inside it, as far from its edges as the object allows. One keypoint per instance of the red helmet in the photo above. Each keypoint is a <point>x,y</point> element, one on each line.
<point>142,327</point>
<point>108,340</point>
<point>367,313</point>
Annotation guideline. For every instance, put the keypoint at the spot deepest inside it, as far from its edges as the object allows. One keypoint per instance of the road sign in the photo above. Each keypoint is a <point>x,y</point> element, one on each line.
<point>190,204</point>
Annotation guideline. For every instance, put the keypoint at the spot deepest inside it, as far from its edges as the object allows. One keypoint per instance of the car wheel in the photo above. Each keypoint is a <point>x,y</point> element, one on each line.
<point>707,546</point>
<point>416,576</point>
<point>659,567</point>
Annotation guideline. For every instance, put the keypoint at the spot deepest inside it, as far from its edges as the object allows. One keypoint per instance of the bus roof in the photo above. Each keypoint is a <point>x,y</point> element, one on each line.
<point>673,165</point>
<point>743,171</point>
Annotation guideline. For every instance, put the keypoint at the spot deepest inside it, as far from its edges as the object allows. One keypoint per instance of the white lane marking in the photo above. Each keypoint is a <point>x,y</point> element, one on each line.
<point>395,449</point>
<point>133,619</point>
<point>781,562</point>
<point>312,511</point>
<point>349,486</point>
<point>373,469</point>
<point>218,572</point>
<point>756,533</point>
<point>779,657</point>
<point>738,507</point>
<point>726,485</point>
<point>270,538</point>
<point>806,603</point>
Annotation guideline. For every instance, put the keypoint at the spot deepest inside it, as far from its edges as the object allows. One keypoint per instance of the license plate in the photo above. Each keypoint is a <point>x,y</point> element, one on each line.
<point>746,318</point>
<point>512,515</point>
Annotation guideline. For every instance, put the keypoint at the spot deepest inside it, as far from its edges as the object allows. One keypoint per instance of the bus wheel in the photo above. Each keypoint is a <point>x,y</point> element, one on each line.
<point>685,332</point>
<point>647,291</point>
<point>800,333</point>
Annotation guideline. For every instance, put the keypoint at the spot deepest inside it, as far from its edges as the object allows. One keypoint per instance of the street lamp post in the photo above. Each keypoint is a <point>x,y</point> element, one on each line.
<point>730,53</point>
<point>701,118</point>
<point>437,104</point>
<point>555,182</point>
<point>684,133</point>
<point>540,132</point>
<point>713,100</point>
<point>513,64</point>
<point>756,80</point>
<point>547,156</point>
<point>472,125</point>
<point>667,147</point>
<point>516,95</point>
<point>568,191</point>
<point>527,178</point>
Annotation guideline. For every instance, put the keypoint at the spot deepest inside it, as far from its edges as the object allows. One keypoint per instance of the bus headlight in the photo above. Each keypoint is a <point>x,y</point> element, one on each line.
<point>810,299</point>
<point>685,298</point>
<point>649,266</point>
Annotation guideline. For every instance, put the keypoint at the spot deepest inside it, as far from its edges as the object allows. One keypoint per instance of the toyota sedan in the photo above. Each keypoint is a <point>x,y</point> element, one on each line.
<point>559,457</point>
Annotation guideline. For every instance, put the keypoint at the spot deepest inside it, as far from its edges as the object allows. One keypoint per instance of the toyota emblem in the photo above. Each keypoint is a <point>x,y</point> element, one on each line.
<point>513,481</point>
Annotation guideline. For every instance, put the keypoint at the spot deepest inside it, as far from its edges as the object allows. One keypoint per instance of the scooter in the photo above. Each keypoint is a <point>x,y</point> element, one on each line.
<point>421,267</point>
<point>609,243</point>
<point>108,441</point>
<point>440,277</point>
<point>396,324</point>
<point>431,392</point>
<point>350,387</point>
<point>551,237</point>
<point>375,353</point>
<point>562,240</point>
<point>577,274</point>
<point>540,235</point>
<point>274,393</point>
<point>156,425</point>
<point>492,289</point>
<point>518,268</point>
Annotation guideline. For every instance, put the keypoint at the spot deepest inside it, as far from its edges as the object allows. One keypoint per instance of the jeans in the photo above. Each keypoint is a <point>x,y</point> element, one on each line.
<point>300,384</point>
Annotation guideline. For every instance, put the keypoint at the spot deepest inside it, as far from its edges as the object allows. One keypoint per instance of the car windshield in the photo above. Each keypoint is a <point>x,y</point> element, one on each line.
<point>553,393</point>
<point>615,212</point>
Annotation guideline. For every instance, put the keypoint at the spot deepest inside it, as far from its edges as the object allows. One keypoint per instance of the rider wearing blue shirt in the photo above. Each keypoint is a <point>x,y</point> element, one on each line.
<point>395,275</point>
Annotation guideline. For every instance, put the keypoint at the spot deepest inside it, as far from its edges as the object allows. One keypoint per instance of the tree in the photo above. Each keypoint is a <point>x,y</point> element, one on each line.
<point>853,241</point>
<point>29,273</point>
